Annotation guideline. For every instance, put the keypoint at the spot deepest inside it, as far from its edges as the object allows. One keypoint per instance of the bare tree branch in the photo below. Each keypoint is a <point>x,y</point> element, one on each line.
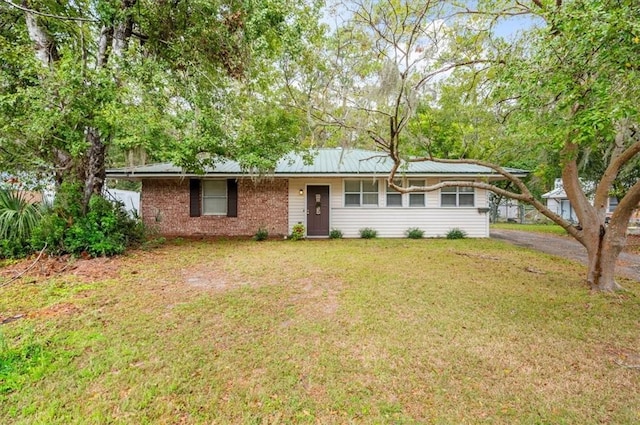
<point>48,15</point>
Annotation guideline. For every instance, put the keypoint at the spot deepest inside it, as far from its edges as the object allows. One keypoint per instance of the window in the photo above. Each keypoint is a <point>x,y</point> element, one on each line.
<point>416,199</point>
<point>394,198</point>
<point>613,203</point>
<point>214,197</point>
<point>359,193</point>
<point>457,197</point>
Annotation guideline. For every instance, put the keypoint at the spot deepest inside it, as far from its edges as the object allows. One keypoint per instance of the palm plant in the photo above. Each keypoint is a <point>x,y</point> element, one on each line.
<point>18,216</point>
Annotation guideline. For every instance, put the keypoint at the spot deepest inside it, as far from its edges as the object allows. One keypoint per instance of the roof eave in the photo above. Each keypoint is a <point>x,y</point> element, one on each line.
<point>155,175</point>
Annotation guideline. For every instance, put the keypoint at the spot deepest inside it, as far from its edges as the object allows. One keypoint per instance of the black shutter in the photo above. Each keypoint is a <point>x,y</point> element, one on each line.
<point>194,198</point>
<point>232,198</point>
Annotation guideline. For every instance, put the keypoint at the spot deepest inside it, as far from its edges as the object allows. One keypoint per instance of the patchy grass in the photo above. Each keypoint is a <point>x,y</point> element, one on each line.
<point>330,332</point>
<point>539,228</point>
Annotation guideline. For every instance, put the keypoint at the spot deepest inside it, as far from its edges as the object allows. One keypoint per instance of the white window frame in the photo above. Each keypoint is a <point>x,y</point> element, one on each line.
<point>361,193</point>
<point>394,193</point>
<point>415,182</point>
<point>457,191</point>
<point>206,194</point>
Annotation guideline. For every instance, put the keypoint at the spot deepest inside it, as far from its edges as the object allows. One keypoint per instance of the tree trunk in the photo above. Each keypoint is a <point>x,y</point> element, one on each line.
<point>122,30</point>
<point>104,43</point>
<point>95,170</point>
<point>45,47</point>
<point>603,248</point>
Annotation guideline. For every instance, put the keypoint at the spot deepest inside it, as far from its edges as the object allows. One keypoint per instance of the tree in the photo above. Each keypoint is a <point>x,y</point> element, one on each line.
<point>169,80</point>
<point>576,80</point>
<point>572,77</point>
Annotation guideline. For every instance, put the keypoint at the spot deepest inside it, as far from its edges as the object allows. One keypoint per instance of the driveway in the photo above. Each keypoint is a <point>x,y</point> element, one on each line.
<point>567,247</point>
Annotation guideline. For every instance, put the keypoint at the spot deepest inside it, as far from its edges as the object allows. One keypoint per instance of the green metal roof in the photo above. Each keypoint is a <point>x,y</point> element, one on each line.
<point>325,162</point>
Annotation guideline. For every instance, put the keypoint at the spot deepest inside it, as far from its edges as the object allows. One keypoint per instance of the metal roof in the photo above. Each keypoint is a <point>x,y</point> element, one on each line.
<point>557,193</point>
<point>325,162</point>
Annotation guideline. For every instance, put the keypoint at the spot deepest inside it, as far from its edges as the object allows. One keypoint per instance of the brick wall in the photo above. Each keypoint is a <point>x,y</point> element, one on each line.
<point>165,207</point>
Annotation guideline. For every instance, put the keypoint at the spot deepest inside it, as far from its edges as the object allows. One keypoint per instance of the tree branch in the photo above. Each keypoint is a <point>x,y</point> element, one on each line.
<point>48,15</point>
<point>524,197</point>
<point>573,187</point>
<point>623,211</point>
<point>449,67</point>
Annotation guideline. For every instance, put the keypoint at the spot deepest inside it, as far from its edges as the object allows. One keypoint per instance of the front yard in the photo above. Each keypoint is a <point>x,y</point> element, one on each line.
<point>342,331</point>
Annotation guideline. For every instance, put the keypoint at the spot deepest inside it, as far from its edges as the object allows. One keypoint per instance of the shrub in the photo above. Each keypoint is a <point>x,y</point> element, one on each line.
<point>12,248</point>
<point>368,233</point>
<point>18,219</point>
<point>414,233</point>
<point>298,232</point>
<point>261,235</point>
<point>106,229</point>
<point>335,234</point>
<point>50,233</point>
<point>456,233</point>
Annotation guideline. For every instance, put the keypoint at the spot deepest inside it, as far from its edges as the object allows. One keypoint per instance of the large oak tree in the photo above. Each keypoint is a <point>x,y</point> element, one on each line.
<point>571,76</point>
<point>187,81</point>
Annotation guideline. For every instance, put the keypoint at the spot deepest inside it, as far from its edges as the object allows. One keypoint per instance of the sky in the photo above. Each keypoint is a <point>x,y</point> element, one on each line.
<point>506,27</point>
<point>511,26</point>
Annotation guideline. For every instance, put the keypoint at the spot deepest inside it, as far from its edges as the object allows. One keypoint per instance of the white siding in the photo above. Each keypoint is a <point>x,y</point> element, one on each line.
<point>390,222</point>
<point>554,205</point>
<point>563,208</point>
<point>130,199</point>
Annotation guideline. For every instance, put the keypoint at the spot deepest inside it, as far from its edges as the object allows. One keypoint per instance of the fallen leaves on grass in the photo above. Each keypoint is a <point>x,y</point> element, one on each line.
<point>87,269</point>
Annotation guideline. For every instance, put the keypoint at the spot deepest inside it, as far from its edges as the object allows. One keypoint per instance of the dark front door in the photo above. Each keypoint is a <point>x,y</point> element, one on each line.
<point>317,210</point>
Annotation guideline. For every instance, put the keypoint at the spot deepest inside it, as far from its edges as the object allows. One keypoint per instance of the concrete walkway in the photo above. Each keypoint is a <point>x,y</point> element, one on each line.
<point>567,247</point>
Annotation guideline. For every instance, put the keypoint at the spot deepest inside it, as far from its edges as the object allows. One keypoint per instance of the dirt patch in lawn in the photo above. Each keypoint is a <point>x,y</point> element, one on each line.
<point>86,269</point>
<point>208,277</point>
<point>61,309</point>
<point>315,298</point>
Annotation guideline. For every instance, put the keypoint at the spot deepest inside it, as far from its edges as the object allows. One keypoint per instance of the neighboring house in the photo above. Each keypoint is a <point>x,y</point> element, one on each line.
<point>340,189</point>
<point>506,209</point>
<point>129,199</point>
<point>558,202</point>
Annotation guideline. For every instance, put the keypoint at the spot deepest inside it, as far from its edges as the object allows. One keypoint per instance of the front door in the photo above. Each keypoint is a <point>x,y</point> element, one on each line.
<point>317,210</point>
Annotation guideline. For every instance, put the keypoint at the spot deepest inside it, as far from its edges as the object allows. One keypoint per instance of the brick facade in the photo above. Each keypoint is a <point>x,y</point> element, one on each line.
<point>165,207</point>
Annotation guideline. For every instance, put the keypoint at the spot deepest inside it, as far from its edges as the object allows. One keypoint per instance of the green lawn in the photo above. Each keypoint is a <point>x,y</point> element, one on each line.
<point>320,332</point>
<point>539,228</point>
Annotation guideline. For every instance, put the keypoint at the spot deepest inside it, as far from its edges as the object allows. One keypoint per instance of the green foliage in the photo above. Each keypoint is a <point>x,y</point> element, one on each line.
<point>368,233</point>
<point>456,233</point>
<point>205,74</point>
<point>11,248</point>
<point>18,218</point>
<point>50,233</point>
<point>106,229</point>
<point>335,234</point>
<point>414,233</point>
<point>570,89</point>
<point>297,232</point>
<point>261,235</point>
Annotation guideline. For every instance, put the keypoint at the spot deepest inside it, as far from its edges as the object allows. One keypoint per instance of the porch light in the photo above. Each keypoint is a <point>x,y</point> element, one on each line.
<point>301,192</point>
